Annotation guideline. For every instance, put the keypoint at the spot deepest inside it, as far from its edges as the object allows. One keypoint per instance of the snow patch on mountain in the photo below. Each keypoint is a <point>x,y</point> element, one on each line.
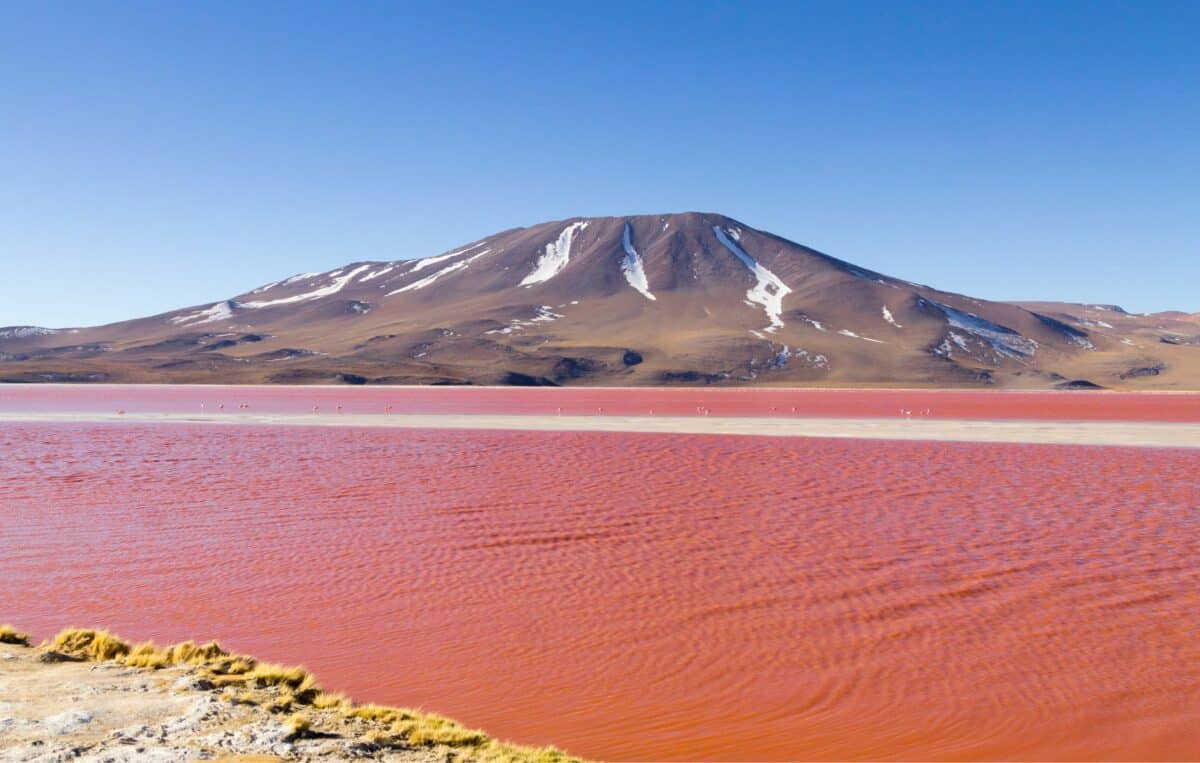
<point>769,290</point>
<point>337,284</point>
<point>555,257</point>
<point>849,333</point>
<point>887,316</point>
<point>437,274</point>
<point>1002,339</point>
<point>424,263</point>
<point>376,273</point>
<point>22,332</point>
<point>221,311</point>
<point>266,287</point>
<point>542,314</point>
<point>784,356</point>
<point>631,266</point>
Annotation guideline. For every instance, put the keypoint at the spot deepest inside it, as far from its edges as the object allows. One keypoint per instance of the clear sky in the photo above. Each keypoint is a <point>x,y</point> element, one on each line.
<point>155,155</point>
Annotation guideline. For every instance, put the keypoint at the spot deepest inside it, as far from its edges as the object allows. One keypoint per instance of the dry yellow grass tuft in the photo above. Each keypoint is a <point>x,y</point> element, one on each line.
<point>89,644</point>
<point>10,635</point>
<point>269,674</point>
<point>280,704</point>
<point>430,730</point>
<point>147,655</point>
<point>242,698</point>
<point>297,726</point>
<point>189,653</point>
<point>327,701</point>
<point>411,728</point>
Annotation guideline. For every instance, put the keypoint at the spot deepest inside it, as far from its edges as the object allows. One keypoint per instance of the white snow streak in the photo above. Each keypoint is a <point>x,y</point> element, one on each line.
<point>221,311</point>
<point>451,268</point>
<point>849,333</point>
<point>377,273</point>
<point>887,316</point>
<point>266,287</point>
<point>555,256</point>
<point>769,291</point>
<point>334,287</point>
<point>631,266</point>
<point>422,264</point>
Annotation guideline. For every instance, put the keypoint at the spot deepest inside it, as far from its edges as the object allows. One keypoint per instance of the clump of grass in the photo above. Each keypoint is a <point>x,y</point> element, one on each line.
<point>147,655</point>
<point>89,644</point>
<point>327,701</point>
<point>376,713</point>
<point>381,738</point>
<point>428,730</point>
<point>280,703</point>
<point>499,752</point>
<point>189,653</point>
<point>410,728</point>
<point>230,665</point>
<point>266,674</point>
<point>242,698</point>
<point>297,726</point>
<point>294,679</point>
<point>10,635</point>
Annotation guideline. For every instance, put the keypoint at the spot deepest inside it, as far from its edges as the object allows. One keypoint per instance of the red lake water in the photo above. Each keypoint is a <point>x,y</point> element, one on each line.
<point>643,596</point>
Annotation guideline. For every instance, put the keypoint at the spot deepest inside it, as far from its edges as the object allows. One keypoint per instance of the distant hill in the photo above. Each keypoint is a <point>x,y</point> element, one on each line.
<point>646,300</point>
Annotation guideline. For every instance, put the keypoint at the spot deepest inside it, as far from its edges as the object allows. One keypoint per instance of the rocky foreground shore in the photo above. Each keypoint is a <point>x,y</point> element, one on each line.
<point>92,697</point>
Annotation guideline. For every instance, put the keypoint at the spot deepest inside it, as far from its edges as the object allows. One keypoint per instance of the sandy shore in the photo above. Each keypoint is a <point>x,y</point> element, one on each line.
<point>107,712</point>
<point>58,706</point>
<point>1127,433</point>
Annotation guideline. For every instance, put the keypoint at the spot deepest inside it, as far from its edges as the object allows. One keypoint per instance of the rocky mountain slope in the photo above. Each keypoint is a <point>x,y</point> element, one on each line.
<point>662,299</point>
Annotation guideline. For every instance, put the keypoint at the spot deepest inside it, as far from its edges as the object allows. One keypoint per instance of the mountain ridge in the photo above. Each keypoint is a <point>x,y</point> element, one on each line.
<point>682,298</point>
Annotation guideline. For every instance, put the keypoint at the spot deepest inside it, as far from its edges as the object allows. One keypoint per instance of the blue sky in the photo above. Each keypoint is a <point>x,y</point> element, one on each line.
<point>155,155</point>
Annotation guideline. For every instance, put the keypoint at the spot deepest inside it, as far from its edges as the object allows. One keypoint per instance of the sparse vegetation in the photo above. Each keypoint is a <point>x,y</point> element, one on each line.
<point>327,701</point>
<point>288,689</point>
<point>146,655</point>
<point>298,726</point>
<point>88,644</point>
<point>10,635</point>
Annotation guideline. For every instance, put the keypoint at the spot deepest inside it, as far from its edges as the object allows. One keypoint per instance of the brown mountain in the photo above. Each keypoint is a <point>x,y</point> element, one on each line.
<point>661,299</point>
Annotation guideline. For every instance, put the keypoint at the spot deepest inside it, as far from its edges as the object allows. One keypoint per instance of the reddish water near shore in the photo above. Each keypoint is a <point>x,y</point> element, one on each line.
<point>946,404</point>
<point>646,597</point>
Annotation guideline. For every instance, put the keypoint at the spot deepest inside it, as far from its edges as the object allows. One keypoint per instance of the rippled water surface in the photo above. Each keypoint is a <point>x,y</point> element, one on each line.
<point>636,596</point>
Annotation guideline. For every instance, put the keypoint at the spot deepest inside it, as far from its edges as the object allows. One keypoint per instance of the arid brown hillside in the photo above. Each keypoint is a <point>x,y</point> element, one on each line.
<point>664,299</point>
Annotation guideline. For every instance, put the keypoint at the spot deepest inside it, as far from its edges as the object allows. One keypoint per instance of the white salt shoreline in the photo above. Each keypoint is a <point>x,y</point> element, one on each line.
<point>1122,433</point>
